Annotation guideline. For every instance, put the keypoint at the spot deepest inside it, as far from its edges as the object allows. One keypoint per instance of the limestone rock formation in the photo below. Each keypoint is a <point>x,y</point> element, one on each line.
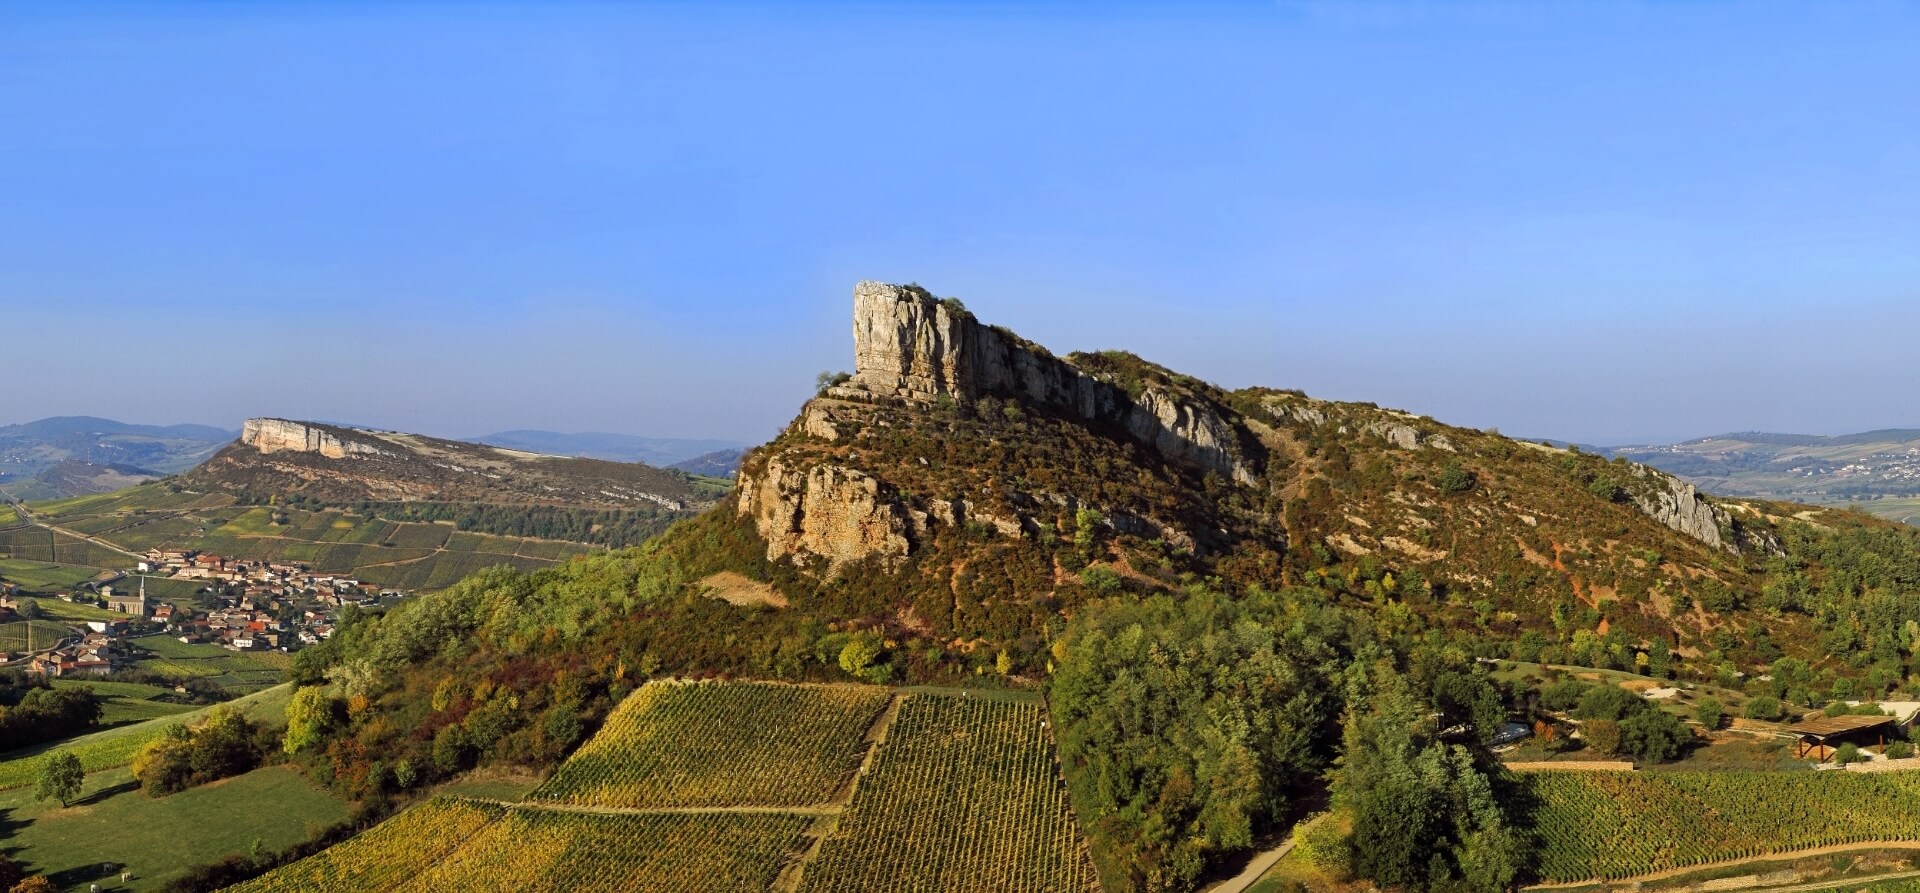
<point>281,435</point>
<point>837,514</point>
<point>1680,506</point>
<point>910,345</point>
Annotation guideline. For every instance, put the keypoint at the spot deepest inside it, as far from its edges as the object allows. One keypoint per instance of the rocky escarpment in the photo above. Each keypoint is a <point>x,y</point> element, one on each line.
<point>836,513</point>
<point>1680,506</point>
<point>910,345</point>
<point>335,464</point>
<point>280,435</point>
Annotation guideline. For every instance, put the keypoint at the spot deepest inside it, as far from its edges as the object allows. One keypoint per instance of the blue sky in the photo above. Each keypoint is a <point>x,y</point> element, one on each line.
<point>1608,222</point>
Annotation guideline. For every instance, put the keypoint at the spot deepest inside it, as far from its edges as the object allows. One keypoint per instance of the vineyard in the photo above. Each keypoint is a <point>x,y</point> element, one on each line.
<point>40,634</point>
<point>1613,825</point>
<point>539,850</point>
<point>386,856</point>
<point>964,796</point>
<point>721,744</point>
<point>721,786</point>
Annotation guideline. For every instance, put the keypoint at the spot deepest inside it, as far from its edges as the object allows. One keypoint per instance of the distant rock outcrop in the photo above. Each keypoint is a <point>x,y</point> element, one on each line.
<point>278,435</point>
<point>339,465</point>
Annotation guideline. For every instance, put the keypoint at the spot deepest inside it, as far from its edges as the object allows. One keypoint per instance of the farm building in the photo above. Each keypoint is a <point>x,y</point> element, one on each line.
<point>1819,736</point>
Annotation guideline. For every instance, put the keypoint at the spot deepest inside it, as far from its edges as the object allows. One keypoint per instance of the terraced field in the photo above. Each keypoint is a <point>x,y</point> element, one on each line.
<point>738,786</point>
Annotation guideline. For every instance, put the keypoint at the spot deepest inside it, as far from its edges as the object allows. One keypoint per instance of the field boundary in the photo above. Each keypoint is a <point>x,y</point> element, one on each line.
<point>794,874</point>
<point>1671,873</point>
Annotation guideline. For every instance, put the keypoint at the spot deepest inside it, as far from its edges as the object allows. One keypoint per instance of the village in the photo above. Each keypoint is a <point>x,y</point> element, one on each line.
<point>240,605</point>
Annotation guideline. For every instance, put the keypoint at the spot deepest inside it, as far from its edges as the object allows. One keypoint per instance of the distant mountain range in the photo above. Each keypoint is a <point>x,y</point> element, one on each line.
<point>1877,470</point>
<point>658,451</point>
<point>74,455</point>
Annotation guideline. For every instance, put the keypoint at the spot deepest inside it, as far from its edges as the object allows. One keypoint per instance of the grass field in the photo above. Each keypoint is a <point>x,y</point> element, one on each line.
<point>113,748</point>
<point>721,744</point>
<point>9,517</point>
<point>1614,825</point>
<point>963,796</point>
<point>124,703</point>
<point>114,827</point>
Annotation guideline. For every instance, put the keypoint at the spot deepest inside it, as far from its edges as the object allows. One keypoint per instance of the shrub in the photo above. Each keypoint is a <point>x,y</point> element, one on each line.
<point>1899,750</point>
<point>1602,735</point>
<point>1847,753</point>
<point>1454,479</point>
<point>1319,840</point>
<point>1708,713</point>
<point>1763,708</point>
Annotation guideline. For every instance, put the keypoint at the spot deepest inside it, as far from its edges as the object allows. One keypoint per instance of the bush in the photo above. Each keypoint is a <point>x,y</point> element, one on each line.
<point>1708,713</point>
<point>1454,479</point>
<point>1763,708</point>
<point>1319,840</point>
<point>1602,735</point>
<point>1847,753</point>
<point>1899,750</point>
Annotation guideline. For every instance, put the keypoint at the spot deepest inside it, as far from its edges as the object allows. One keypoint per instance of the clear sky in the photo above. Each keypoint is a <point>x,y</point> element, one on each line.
<point>1607,222</point>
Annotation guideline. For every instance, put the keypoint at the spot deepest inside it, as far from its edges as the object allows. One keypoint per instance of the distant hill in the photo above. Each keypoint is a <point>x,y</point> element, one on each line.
<point>29,451</point>
<point>1877,470</point>
<point>336,465</point>
<point>76,478</point>
<point>659,451</point>
<point>719,463</point>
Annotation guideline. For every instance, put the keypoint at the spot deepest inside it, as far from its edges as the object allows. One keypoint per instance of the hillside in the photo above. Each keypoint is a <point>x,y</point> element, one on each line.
<point>72,456</point>
<point>1877,471</point>
<point>1224,594</point>
<point>337,465</point>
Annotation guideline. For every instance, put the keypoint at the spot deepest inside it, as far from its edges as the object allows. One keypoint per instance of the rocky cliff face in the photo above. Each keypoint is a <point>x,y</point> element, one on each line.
<point>281,435</point>
<point>1680,506</point>
<point>910,345</point>
<point>834,513</point>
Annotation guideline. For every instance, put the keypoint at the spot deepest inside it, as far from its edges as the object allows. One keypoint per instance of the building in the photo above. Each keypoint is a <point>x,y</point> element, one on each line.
<point>129,603</point>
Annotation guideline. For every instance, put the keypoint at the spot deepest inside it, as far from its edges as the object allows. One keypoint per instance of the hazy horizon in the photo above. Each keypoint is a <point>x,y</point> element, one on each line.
<point>1612,223</point>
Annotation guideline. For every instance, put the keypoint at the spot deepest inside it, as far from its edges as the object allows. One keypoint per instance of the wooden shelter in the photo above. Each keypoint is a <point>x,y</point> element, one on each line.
<point>1820,735</point>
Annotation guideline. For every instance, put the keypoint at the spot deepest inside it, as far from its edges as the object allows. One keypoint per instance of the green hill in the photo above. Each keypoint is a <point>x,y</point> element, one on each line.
<point>1232,600</point>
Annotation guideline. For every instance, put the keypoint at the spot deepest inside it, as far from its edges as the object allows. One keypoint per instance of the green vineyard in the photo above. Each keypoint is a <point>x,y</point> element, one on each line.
<point>726,786</point>
<point>385,857</point>
<point>964,796</point>
<point>542,851</point>
<point>1613,825</point>
<point>721,744</point>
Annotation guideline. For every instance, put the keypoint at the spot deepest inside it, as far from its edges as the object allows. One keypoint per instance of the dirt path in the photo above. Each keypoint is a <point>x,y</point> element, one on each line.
<point>1671,873</point>
<point>823,828</point>
<point>1256,868</point>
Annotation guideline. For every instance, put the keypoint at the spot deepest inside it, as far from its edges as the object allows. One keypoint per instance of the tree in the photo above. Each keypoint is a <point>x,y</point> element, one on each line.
<point>61,777</point>
<point>1708,712</point>
<point>11,874</point>
<point>1602,735</point>
<point>309,715</point>
<point>34,885</point>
